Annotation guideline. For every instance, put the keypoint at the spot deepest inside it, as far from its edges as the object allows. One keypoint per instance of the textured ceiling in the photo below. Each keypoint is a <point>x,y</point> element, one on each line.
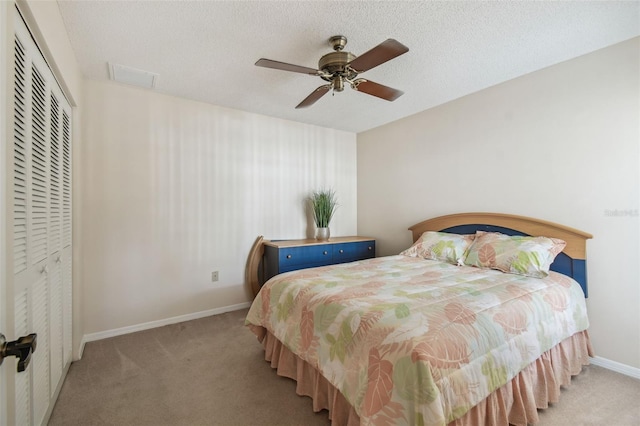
<point>206,50</point>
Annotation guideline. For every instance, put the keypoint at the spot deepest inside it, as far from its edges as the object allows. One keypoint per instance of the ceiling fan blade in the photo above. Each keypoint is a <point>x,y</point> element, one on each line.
<point>314,96</point>
<point>268,63</point>
<point>380,54</point>
<point>378,90</point>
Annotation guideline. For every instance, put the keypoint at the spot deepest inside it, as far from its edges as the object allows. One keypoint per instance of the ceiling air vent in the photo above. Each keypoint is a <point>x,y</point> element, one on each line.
<point>133,76</point>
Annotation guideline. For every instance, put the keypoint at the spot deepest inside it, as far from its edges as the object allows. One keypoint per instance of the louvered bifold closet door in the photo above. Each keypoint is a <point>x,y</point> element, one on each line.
<point>55,245</point>
<point>65,237</point>
<point>41,227</point>
<point>21,182</point>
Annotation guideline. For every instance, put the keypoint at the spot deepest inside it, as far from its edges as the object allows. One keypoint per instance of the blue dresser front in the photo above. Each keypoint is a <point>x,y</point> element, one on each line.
<point>291,255</point>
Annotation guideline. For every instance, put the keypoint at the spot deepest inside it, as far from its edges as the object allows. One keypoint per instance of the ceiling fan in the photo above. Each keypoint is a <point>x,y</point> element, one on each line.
<point>340,67</point>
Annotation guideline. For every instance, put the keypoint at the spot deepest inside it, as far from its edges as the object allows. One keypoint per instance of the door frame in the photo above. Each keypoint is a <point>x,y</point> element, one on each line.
<point>7,25</point>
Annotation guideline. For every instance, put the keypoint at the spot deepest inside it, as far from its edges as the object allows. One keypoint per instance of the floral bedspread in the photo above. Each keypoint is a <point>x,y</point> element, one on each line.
<point>414,341</point>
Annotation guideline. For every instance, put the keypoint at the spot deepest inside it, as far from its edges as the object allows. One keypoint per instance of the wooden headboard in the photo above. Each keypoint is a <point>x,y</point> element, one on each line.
<point>571,262</point>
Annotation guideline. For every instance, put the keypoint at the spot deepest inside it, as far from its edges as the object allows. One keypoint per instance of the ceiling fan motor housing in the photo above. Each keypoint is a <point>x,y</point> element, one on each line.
<point>335,63</point>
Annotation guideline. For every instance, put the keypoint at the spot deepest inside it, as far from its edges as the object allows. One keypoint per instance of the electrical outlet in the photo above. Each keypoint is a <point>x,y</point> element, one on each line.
<point>214,276</point>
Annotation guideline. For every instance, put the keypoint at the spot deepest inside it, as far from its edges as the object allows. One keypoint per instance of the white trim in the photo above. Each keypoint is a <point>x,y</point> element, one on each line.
<point>24,9</point>
<point>159,323</point>
<point>618,367</point>
<point>6,38</point>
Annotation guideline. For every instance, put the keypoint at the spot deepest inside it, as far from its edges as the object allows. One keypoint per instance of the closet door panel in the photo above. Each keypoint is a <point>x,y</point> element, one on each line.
<point>40,230</point>
<point>55,320</point>
<point>66,177</point>
<point>23,380</point>
<point>67,303</point>
<point>39,166</point>
<point>55,177</point>
<point>55,240</point>
<point>20,141</point>
<point>40,324</point>
<point>66,236</point>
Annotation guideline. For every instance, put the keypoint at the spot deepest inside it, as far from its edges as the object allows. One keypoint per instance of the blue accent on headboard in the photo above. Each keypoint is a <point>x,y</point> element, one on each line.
<point>563,263</point>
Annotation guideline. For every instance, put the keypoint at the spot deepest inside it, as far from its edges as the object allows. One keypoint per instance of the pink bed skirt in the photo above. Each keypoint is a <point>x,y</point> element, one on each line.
<point>515,403</point>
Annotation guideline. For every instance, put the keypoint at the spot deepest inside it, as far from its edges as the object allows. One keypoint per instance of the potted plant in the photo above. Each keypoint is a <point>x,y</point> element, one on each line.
<point>323,204</point>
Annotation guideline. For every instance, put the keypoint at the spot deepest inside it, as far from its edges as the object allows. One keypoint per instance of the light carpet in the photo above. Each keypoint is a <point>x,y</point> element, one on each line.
<point>212,371</point>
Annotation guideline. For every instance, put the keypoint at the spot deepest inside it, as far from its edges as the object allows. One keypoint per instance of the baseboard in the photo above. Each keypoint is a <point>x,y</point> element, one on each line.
<point>91,337</point>
<point>627,370</point>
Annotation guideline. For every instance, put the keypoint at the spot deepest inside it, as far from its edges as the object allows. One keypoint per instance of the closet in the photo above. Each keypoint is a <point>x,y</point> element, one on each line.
<point>38,228</point>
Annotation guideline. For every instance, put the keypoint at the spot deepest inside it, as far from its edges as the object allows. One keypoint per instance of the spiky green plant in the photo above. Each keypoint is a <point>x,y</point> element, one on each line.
<point>323,204</point>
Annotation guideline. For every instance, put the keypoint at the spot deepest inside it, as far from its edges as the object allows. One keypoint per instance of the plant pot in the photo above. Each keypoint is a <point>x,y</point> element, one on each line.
<point>322,234</point>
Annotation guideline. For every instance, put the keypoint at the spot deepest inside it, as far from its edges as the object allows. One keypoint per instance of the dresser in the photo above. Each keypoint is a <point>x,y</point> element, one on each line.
<point>290,255</point>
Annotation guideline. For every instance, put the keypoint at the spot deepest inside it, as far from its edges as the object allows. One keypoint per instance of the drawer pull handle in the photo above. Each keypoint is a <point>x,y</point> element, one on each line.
<point>288,256</point>
<point>324,252</point>
<point>341,251</point>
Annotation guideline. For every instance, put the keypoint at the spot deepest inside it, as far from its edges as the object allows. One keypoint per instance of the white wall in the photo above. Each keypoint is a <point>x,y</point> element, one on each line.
<point>561,144</point>
<point>174,189</point>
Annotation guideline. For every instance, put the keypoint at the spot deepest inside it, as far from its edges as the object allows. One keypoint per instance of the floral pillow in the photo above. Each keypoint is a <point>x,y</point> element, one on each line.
<point>531,256</point>
<point>440,246</point>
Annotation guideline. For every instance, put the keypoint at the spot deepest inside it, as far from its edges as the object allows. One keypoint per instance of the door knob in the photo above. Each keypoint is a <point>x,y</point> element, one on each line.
<point>21,348</point>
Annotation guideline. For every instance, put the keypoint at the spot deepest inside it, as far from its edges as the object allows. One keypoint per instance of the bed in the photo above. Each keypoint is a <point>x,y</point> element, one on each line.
<point>423,337</point>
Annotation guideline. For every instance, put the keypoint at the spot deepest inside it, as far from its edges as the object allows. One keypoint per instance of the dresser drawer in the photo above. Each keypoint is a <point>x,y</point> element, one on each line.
<point>307,255</point>
<point>349,252</point>
<point>284,256</point>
